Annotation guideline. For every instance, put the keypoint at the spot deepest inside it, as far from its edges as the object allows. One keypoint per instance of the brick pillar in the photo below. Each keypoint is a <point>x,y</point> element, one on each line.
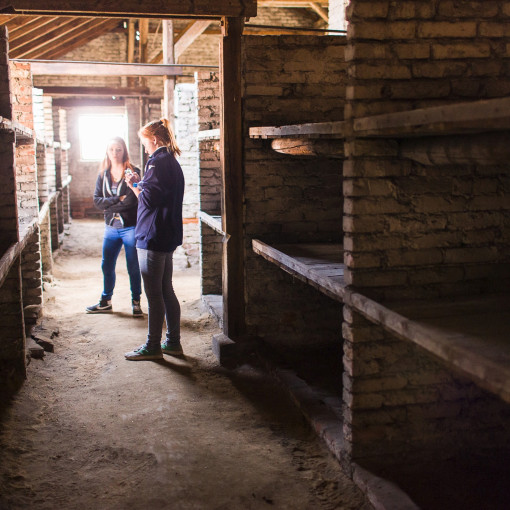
<point>412,232</point>
<point>31,272</point>
<point>12,336</point>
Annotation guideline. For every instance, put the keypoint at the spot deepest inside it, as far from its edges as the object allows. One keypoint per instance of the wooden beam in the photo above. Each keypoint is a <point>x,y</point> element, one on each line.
<point>73,102</point>
<point>295,4</point>
<point>131,41</point>
<point>132,8</point>
<point>320,11</point>
<point>131,49</point>
<point>103,69</point>
<point>168,58</point>
<point>97,91</point>
<point>189,35</point>
<point>231,157</point>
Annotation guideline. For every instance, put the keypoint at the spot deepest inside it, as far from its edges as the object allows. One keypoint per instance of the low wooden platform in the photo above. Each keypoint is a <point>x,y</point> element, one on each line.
<point>320,265</point>
<point>470,334</point>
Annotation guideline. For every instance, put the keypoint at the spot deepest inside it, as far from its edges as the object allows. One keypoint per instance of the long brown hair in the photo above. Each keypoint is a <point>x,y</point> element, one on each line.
<point>163,132</point>
<point>107,163</point>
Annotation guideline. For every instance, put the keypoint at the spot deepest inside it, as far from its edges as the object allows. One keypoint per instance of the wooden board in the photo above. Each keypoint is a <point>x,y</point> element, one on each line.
<point>309,147</point>
<point>474,116</point>
<point>320,265</point>
<point>310,130</point>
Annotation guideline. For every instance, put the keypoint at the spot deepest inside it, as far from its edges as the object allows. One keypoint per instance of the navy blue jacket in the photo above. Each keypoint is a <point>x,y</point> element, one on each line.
<point>106,201</point>
<point>159,221</point>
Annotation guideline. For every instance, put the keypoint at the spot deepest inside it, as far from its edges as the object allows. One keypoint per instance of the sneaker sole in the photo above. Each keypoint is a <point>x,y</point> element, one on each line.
<point>146,357</point>
<point>99,311</point>
<point>173,353</point>
<point>138,315</point>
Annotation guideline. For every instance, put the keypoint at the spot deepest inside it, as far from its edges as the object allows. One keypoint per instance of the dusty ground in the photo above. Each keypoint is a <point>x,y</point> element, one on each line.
<point>90,430</point>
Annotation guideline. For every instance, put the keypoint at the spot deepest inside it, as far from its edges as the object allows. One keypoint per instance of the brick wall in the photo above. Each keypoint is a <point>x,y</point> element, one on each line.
<point>416,231</point>
<point>186,132</point>
<point>12,339</point>
<point>211,247</point>
<point>290,79</point>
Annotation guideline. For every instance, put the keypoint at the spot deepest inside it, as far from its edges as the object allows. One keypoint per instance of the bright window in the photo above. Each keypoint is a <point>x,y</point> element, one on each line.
<point>95,130</point>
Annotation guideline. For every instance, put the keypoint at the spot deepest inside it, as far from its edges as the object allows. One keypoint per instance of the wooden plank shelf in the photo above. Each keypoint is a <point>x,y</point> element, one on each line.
<point>450,119</point>
<point>319,265</point>
<point>470,334</point>
<point>23,135</point>
<point>213,221</point>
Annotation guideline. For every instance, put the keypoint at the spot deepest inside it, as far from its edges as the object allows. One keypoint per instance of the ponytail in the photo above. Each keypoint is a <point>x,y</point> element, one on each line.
<point>163,132</point>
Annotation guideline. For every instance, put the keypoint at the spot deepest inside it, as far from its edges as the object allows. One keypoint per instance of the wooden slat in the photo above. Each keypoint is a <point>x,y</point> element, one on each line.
<point>133,8</point>
<point>187,37</point>
<point>319,265</point>
<point>320,11</point>
<point>312,130</point>
<point>80,68</point>
<point>473,116</point>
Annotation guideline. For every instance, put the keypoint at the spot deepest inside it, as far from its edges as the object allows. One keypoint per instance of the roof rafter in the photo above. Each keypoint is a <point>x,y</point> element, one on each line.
<point>77,37</point>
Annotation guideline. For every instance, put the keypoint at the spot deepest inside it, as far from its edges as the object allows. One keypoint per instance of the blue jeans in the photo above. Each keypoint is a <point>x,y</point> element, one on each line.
<point>156,268</point>
<point>113,240</point>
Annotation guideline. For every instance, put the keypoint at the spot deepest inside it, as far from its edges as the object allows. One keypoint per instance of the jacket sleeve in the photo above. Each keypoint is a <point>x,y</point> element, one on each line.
<point>130,202</point>
<point>100,201</point>
<point>153,193</point>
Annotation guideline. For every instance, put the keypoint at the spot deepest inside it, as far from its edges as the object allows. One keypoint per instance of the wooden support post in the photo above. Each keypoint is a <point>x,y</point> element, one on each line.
<point>131,49</point>
<point>168,58</point>
<point>231,140</point>
<point>143,26</point>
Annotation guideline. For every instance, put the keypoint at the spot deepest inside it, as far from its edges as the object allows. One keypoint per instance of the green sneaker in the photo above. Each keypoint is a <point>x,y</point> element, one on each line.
<point>172,348</point>
<point>143,353</point>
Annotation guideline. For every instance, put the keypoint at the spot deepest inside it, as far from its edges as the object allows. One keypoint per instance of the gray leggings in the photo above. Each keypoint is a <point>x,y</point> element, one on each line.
<point>156,268</point>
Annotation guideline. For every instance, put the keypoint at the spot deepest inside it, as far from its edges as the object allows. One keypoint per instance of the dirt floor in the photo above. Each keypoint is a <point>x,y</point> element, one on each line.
<point>90,430</point>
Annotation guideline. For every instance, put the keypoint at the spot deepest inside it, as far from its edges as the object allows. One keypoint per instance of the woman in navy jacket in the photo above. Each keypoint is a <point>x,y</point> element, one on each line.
<point>158,233</point>
<point>113,196</point>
